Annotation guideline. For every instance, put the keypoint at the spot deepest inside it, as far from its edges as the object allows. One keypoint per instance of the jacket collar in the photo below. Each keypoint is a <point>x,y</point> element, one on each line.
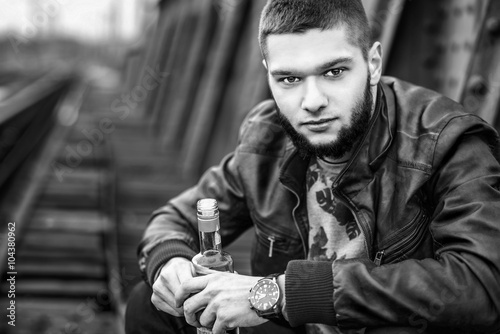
<point>382,133</point>
<point>293,170</point>
<point>366,159</point>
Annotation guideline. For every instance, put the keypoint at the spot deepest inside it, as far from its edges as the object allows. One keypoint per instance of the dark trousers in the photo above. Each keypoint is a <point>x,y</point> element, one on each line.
<point>142,317</point>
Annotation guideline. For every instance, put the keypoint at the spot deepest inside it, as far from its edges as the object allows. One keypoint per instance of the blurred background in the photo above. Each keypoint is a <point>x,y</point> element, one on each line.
<point>108,108</point>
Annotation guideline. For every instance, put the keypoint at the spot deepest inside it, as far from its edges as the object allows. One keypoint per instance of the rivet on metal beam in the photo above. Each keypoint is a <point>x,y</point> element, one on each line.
<point>493,26</point>
<point>477,86</point>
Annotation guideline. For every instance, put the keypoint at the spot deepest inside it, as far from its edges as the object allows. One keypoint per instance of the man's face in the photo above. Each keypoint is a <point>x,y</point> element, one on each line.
<point>321,85</point>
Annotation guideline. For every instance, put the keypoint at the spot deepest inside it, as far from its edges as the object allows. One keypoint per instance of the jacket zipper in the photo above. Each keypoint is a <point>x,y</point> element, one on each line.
<point>335,185</point>
<point>405,245</point>
<point>378,257</point>
<point>295,220</point>
<point>402,232</point>
<point>343,198</point>
<point>362,226</point>
<point>344,201</point>
<point>271,239</point>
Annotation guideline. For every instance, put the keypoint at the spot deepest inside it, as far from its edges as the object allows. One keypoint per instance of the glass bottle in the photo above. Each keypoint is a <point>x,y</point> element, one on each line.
<point>211,255</point>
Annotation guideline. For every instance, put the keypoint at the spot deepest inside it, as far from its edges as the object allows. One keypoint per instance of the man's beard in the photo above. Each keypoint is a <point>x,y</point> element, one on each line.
<point>347,136</point>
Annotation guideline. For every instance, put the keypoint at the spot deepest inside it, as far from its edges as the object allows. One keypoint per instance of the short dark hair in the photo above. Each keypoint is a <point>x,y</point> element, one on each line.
<point>298,16</point>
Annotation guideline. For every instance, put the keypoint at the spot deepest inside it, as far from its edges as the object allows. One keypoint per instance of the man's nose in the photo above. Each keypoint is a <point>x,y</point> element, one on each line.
<point>314,99</point>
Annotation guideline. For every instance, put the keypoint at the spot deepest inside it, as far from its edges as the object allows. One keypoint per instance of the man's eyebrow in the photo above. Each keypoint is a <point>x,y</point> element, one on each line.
<point>335,62</point>
<point>323,67</point>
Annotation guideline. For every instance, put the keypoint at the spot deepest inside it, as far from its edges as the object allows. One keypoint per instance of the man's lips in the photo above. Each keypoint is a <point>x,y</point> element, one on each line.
<point>320,125</point>
<point>319,121</point>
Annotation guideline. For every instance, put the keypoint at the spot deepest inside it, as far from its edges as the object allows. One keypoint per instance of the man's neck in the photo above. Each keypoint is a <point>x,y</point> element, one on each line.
<point>337,161</point>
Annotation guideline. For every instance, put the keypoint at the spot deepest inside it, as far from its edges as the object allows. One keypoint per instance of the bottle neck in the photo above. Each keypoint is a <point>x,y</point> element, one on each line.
<point>209,234</point>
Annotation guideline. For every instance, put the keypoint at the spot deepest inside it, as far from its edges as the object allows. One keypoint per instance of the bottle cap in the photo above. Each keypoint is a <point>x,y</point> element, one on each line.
<point>208,215</point>
<point>207,208</point>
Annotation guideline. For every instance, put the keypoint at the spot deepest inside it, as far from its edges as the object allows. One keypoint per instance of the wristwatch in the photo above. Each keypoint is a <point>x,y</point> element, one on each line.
<point>265,297</point>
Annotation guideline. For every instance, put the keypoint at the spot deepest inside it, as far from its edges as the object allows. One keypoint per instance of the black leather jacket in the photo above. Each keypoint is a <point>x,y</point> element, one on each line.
<point>423,185</point>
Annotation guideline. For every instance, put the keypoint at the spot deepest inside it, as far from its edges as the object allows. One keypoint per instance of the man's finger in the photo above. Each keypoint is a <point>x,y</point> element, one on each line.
<point>168,280</point>
<point>207,318</point>
<point>189,287</point>
<point>161,291</point>
<point>194,310</point>
<point>192,317</point>
<point>219,327</point>
<point>188,273</point>
<point>164,294</point>
<point>165,287</point>
<point>161,305</point>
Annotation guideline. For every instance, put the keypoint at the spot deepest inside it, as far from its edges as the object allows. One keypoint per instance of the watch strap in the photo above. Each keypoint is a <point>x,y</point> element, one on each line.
<point>277,313</point>
<point>277,310</point>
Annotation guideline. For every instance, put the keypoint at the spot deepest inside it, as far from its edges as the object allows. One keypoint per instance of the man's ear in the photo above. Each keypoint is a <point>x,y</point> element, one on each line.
<point>264,63</point>
<point>375,63</point>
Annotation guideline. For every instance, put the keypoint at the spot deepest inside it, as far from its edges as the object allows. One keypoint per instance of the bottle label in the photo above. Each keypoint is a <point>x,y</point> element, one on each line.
<point>208,225</point>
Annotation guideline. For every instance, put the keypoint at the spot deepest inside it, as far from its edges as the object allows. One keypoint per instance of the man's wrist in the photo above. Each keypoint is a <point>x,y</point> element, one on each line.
<point>158,272</point>
<point>177,258</point>
<point>281,283</point>
<point>161,254</point>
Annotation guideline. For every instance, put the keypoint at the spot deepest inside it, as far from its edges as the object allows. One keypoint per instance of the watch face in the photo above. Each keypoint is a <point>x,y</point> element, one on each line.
<point>265,295</point>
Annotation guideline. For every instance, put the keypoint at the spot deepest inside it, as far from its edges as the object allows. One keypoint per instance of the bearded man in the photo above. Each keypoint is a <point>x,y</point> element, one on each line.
<point>375,203</point>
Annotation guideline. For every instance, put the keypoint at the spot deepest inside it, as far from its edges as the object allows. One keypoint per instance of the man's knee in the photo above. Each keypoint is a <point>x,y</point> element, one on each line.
<point>142,316</point>
<point>138,304</point>
<point>140,297</point>
<point>139,310</point>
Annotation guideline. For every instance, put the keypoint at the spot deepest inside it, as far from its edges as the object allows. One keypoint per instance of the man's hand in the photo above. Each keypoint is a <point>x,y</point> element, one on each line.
<point>168,283</point>
<point>222,300</point>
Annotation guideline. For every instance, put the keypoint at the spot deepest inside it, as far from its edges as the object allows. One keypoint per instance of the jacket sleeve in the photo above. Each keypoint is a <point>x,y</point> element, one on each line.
<point>172,229</point>
<point>458,288</point>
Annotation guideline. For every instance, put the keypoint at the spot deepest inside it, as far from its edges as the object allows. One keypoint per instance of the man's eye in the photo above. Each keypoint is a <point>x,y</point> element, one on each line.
<point>289,80</point>
<point>335,72</point>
